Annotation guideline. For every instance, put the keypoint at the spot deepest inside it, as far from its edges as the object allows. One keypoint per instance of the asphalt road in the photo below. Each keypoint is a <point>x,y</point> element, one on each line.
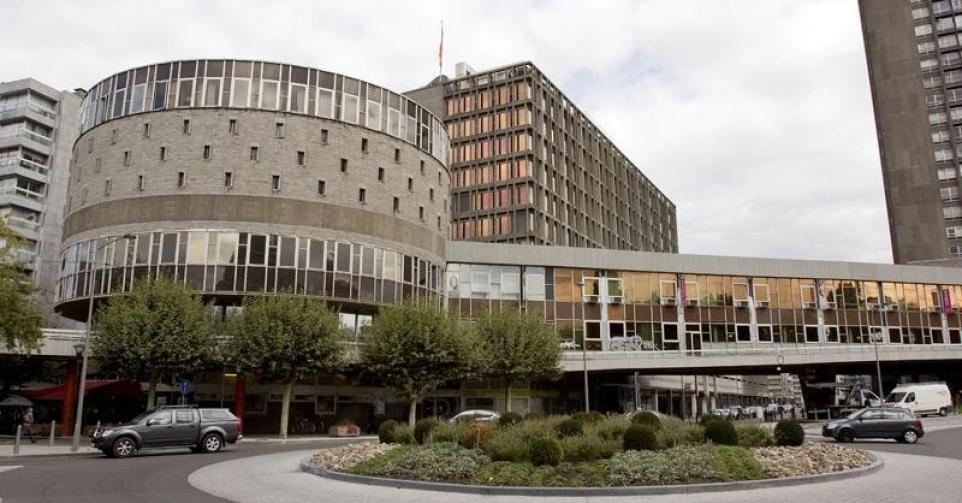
<point>151,476</point>
<point>941,443</point>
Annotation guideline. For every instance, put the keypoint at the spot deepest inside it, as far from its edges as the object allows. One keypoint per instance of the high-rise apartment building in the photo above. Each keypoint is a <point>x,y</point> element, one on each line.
<point>527,166</point>
<point>38,126</point>
<point>915,69</point>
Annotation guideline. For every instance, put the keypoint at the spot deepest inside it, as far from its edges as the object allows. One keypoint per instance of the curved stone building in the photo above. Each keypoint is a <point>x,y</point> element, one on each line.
<point>246,177</point>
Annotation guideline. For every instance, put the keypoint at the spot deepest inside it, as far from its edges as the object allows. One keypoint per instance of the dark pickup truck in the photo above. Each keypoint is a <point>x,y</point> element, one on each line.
<point>203,430</point>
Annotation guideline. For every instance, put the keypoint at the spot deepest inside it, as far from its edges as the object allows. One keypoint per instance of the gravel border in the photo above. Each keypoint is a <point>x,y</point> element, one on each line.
<point>875,466</point>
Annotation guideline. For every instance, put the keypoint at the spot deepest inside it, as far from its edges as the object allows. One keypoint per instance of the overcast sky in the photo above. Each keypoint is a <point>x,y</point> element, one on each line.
<point>754,118</point>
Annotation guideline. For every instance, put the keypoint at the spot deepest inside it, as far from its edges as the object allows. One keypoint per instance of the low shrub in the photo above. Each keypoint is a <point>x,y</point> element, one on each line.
<point>588,417</point>
<point>402,434</point>
<point>676,433</point>
<point>648,418</point>
<point>508,444</point>
<point>674,466</point>
<point>721,433</point>
<point>448,432</point>
<point>640,437</point>
<point>789,432</point>
<point>570,427</point>
<point>344,421</point>
<point>534,416</point>
<point>475,436</point>
<point>611,428</point>
<point>753,435</point>
<point>707,418</point>
<point>509,418</point>
<point>737,463</point>
<point>423,430</point>
<point>593,474</point>
<point>578,448</point>
<point>443,461</point>
<point>385,432</point>
<point>546,451</point>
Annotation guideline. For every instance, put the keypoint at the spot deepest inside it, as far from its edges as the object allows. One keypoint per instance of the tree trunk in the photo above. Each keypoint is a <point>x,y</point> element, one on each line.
<point>507,397</point>
<point>151,393</point>
<point>413,412</point>
<point>286,408</point>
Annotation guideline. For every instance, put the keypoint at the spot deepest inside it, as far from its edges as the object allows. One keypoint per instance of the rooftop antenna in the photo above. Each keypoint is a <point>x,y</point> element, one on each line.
<point>441,51</point>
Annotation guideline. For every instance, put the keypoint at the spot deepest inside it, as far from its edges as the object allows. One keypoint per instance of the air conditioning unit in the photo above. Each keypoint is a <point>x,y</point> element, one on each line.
<point>808,305</point>
<point>761,303</point>
<point>618,299</point>
<point>890,307</point>
<point>741,303</point>
<point>590,299</point>
<point>668,301</point>
<point>935,309</point>
<point>692,303</point>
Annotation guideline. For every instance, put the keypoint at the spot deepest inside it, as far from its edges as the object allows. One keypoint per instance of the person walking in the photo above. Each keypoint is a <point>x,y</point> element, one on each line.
<point>26,420</point>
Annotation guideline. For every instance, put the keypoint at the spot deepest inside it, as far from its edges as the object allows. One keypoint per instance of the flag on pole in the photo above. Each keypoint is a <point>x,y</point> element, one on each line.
<point>441,50</point>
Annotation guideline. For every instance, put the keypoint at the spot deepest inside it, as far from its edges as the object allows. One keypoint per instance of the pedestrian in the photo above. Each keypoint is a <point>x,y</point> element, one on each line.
<point>26,420</point>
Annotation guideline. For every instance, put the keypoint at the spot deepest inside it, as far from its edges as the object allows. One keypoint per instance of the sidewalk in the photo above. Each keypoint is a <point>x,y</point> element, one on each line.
<point>61,447</point>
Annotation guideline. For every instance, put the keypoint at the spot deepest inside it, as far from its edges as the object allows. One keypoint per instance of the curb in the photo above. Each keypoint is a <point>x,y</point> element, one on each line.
<point>591,491</point>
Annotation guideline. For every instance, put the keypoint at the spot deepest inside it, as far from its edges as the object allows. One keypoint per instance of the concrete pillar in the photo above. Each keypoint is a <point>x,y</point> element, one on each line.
<point>654,399</point>
<point>69,398</point>
<point>240,400</point>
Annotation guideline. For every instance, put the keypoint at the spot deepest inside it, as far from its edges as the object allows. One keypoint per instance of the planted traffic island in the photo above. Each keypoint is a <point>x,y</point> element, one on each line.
<point>590,454</point>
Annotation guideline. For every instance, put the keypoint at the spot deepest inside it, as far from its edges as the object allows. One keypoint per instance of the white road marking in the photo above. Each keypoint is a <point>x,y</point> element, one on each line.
<point>7,469</point>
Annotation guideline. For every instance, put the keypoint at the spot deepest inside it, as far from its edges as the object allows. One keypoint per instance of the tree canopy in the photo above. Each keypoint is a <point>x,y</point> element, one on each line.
<point>415,349</point>
<point>161,328</point>
<point>516,347</point>
<point>20,318</point>
<point>285,338</point>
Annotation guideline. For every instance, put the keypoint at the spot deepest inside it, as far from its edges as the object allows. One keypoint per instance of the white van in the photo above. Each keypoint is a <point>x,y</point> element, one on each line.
<point>922,399</point>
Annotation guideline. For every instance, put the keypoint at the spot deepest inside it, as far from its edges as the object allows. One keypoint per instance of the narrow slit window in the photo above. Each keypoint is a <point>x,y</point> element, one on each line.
<point>301,159</point>
<point>126,158</point>
<point>397,205</point>
<point>232,126</point>
<point>279,130</point>
<point>140,182</point>
<point>163,153</point>
<point>410,184</point>
<point>181,179</point>
<point>362,196</point>
<point>146,130</point>
<point>186,126</point>
<point>275,182</point>
<point>380,174</point>
<point>343,165</point>
<point>320,187</point>
<point>323,137</point>
<point>255,153</point>
<point>206,152</point>
<point>228,179</point>
<point>397,155</point>
<point>364,145</point>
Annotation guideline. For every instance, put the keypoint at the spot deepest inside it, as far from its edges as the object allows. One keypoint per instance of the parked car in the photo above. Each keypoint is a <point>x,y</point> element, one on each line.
<point>921,399</point>
<point>476,415</point>
<point>203,430</point>
<point>736,412</point>
<point>722,413</point>
<point>898,424</point>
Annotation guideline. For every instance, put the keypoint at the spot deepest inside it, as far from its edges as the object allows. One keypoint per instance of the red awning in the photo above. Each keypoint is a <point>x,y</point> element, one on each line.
<point>56,393</point>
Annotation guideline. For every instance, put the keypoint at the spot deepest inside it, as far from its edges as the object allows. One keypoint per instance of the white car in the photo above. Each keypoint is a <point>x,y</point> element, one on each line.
<point>476,415</point>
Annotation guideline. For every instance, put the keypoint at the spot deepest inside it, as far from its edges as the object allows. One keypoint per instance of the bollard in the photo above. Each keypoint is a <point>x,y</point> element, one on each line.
<point>53,430</point>
<point>16,441</point>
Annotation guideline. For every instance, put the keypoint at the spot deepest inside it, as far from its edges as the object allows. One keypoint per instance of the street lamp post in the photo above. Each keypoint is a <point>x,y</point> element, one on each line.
<point>877,340</point>
<point>584,357</point>
<point>85,353</point>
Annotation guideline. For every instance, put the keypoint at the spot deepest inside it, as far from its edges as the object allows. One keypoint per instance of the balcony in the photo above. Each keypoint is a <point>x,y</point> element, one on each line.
<point>27,109</point>
<point>20,196</point>
<point>36,141</point>
<point>24,167</point>
<point>29,229</point>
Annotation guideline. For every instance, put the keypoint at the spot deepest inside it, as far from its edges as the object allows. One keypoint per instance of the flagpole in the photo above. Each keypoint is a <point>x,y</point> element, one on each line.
<point>441,51</point>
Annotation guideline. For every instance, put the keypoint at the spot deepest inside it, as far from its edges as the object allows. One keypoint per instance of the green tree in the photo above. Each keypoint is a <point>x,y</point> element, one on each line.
<point>517,347</point>
<point>415,349</point>
<point>285,338</point>
<point>159,329</point>
<point>20,318</point>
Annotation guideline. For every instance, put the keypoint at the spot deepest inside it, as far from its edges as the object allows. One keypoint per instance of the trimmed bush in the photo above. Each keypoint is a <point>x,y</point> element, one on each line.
<point>385,432</point>
<point>546,451</point>
<point>640,437</point>
<point>647,418</point>
<point>578,449</point>
<point>402,434</point>
<point>721,433</point>
<point>424,428</point>
<point>707,418</point>
<point>475,436</point>
<point>531,416</point>
<point>736,463</point>
<point>570,427</point>
<point>442,461</point>
<point>753,435</point>
<point>508,444</point>
<point>509,418</point>
<point>612,428</point>
<point>789,432</point>
<point>675,432</point>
